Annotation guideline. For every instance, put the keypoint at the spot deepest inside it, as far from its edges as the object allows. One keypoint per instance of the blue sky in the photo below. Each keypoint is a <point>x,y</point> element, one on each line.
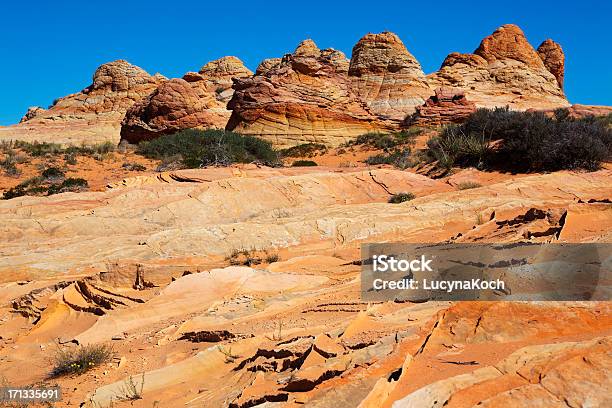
<point>51,48</point>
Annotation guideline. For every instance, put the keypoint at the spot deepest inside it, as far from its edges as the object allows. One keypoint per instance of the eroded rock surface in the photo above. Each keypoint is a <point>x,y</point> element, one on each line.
<point>505,70</point>
<point>387,77</point>
<point>145,266</point>
<point>553,57</point>
<point>306,97</point>
<point>448,105</point>
<point>91,116</point>
<point>198,100</point>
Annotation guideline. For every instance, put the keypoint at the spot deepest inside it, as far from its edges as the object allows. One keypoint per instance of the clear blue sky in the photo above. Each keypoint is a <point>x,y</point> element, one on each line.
<point>51,48</point>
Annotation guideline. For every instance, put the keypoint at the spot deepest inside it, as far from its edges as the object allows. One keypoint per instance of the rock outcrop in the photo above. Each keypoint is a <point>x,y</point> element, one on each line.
<point>32,112</point>
<point>198,100</point>
<point>448,105</point>
<point>578,111</point>
<point>306,97</point>
<point>91,116</point>
<point>387,77</point>
<point>506,70</point>
<point>553,57</point>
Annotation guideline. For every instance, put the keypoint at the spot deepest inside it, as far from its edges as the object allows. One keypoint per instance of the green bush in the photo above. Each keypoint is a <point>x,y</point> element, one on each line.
<point>466,185</point>
<point>398,158</point>
<point>37,149</point>
<point>199,148</point>
<point>133,167</point>
<point>80,359</point>
<point>303,150</point>
<point>68,185</point>
<point>42,185</point>
<point>386,141</point>
<point>9,163</point>
<point>401,197</point>
<point>53,173</point>
<point>523,141</point>
<point>304,163</point>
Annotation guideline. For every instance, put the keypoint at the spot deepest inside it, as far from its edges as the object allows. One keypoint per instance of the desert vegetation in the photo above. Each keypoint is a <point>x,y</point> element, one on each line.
<point>466,185</point>
<point>51,181</point>
<point>304,163</point>
<point>78,360</point>
<point>304,150</point>
<point>396,147</point>
<point>523,141</point>
<point>401,197</point>
<point>195,148</point>
<point>251,257</point>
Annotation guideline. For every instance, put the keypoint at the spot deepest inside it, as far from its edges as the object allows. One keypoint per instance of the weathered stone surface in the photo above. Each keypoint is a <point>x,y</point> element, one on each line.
<point>509,42</point>
<point>144,263</point>
<point>198,100</point>
<point>548,375</point>
<point>448,105</point>
<point>578,111</point>
<point>306,97</point>
<point>387,77</point>
<point>504,70</point>
<point>32,112</point>
<point>267,65</point>
<point>93,115</point>
<point>553,57</point>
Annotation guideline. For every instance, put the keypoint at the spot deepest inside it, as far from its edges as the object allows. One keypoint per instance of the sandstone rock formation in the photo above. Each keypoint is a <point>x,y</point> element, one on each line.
<point>143,266</point>
<point>387,77</point>
<point>92,115</point>
<point>195,101</point>
<point>448,105</point>
<point>267,65</point>
<point>578,111</point>
<point>306,97</point>
<point>505,70</point>
<point>553,57</point>
<point>32,112</point>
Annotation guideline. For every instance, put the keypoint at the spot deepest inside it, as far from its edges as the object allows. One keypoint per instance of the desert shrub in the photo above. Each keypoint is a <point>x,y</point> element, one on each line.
<point>70,158</point>
<point>29,187</point>
<point>251,257</point>
<point>271,258</point>
<point>199,148</point>
<point>9,163</point>
<point>453,146</point>
<point>304,163</point>
<point>401,197</point>
<point>80,359</point>
<point>37,149</point>
<point>45,185</point>
<point>68,185</point>
<point>303,150</point>
<point>523,141</point>
<point>466,185</point>
<point>386,141</point>
<point>133,167</point>
<point>131,390</point>
<point>399,158</point>
<point>53,173</point>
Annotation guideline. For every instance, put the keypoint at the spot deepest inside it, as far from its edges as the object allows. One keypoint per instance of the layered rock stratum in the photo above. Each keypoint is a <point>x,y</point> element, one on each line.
<point>142,266</point>
<point>387,77</point>
<point>91,116</point>
<point>305,97</point>
<point>448,105</point>
<point>311,95</point>
<point>506,70</point>
<point>198,100</point>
